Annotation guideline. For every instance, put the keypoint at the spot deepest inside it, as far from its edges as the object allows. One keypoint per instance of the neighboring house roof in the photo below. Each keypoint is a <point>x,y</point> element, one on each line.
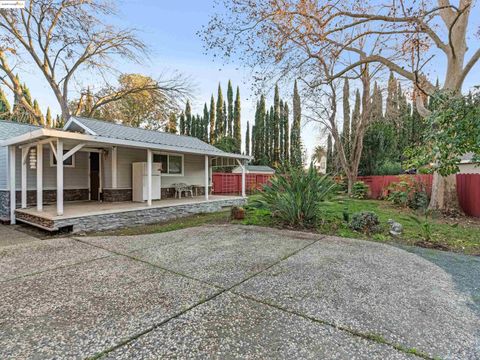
<point>257,168</point>
<point>9,129</point>
<point>124,132</point>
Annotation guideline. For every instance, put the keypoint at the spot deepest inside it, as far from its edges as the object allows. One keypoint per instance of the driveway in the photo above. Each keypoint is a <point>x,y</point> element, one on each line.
<point>232,292</point>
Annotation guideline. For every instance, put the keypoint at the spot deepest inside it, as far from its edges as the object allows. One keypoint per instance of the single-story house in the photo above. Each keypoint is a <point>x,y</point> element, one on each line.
<point>468,166</point>
<point>254,169</point>
<point>112,175</point>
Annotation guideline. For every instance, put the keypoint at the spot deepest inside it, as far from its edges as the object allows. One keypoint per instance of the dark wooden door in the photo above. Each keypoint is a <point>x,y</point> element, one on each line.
<point>94,176</point>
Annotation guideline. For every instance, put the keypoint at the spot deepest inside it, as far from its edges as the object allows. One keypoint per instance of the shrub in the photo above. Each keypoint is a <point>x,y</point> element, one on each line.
<point>295,198</point>
<point>365,222</point>
<point>409,193</point>
<point>389,168</point>
<point>360,190</point>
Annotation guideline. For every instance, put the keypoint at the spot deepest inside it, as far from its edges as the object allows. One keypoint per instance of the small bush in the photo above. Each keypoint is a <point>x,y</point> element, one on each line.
<point>295,198</point>
<point>365,222</point>
<point>389,168</point>
<point>408,193</point>
<point>360,190</point>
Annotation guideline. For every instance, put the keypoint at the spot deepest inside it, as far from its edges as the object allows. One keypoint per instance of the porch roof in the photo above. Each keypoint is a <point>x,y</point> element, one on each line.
<point>101,133</point>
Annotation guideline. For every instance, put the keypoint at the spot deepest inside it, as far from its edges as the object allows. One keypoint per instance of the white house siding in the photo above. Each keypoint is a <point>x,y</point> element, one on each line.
<point>194,167</point>
<point>469,168</point>
<point>74,178</point>
<point>3,168</point>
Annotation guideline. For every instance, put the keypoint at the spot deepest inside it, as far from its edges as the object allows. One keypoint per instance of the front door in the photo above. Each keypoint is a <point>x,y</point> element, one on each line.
<point>94,176</point>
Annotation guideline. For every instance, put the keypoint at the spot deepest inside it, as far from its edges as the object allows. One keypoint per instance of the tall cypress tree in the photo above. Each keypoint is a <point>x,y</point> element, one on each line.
<point>280,132</point>
<point>230,109</point>
<point>260,131</point>
<point>182,123</point>
<point>206,123</point>
<point>286,134</point>
<point>346,117</point>
<point>188,118</point>
<point>237,130</point>
<point>355,117</point>
<point>247,140</point>
<point>172,123</point>
<point>329,154</point>
<point>4,106</point>
<point>271,131</point>
<point>391,111</point>
<point>41,119</point>
<point>276,127</point>
<point>219,130</point>
<point>212,121</point>
<point>253,144</point>
<point>48,119</point>
<point>225,119</point>
<point>295,142</point>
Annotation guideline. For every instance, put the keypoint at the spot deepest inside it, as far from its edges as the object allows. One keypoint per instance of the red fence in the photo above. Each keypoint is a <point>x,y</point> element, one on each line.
<point>378,184</point>
<point>228,183</point>
<point>468,188</point>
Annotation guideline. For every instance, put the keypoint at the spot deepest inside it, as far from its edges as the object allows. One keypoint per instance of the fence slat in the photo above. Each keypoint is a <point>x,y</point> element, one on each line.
<point>228,183</point>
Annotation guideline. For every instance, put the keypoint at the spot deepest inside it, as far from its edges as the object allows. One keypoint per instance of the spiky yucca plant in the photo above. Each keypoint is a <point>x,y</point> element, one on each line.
<point>294,198</point>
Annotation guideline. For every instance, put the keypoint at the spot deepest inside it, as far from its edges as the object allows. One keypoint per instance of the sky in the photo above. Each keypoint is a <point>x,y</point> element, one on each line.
<point>170,30</point>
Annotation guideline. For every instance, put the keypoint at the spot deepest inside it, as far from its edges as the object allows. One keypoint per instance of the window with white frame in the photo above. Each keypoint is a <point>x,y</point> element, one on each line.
<point>70,162</point>
<point>172,164</point>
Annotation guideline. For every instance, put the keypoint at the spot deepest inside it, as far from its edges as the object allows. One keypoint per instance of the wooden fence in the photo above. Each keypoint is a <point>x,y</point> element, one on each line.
<point>228,183</point>
<point>468,188</point>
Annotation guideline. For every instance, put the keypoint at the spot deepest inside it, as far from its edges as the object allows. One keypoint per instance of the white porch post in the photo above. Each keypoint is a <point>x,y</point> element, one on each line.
<point>149,176</point>
<point>114,167</point>
<point>243,179</point>
<point>59,177</point>
<point>39,177</point>
<point>13,198</point>
<point>24,176</point>
<point>206,177</point>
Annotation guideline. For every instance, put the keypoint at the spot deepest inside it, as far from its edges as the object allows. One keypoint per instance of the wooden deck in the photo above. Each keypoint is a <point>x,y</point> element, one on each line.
<point>118,213</point>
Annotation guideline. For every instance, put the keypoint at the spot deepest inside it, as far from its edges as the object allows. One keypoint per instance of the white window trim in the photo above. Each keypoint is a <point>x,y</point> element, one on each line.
<point>168,162</point>
<point>65,166</point>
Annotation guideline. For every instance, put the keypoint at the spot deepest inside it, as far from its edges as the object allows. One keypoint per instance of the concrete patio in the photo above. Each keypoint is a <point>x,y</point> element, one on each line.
<point>230,292</point>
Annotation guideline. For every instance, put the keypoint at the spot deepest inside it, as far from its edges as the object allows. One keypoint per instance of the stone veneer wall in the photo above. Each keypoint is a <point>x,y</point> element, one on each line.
<point>143,216</point>
<point>49,197</point>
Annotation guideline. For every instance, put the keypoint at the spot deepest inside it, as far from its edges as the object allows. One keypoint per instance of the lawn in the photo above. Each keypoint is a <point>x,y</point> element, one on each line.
<point>459,235</point>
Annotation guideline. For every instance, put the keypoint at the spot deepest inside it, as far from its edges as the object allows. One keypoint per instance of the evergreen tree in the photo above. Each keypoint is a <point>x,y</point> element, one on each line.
<point>260,133</point>
<point>206,122</point>
<point>253,145</point>
<point>247,140</point>
<point>391,110</point>
<point>182,124</point>
<point>346,117</point>
<point>212,121</point>
<point>330,161</point>
<point>4,106</point>
<point>219,131</point>
<point>188,118</point>
<point>237,126</point>
<point>41,119</point>
<point>355,118</point>
<point>280,126</point>
<point>225,119</point>
<point>295,141</point>
<point>376,109</point>
<point>48,119</point>
<point>271,136</point>
<point>276,127</point>
<point>172,123</point>
<point>230,109</point>
<point>286,133</point>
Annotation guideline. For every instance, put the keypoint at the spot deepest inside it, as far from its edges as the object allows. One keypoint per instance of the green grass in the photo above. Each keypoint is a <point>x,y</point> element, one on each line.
<point>459,237</point>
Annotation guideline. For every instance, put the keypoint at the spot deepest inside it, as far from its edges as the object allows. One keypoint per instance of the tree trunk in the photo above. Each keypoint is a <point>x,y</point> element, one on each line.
<point>444,194</point>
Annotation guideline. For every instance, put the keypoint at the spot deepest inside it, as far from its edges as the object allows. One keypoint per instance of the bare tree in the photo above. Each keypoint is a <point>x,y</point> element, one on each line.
<point>285,37</point>
<point>62,38</point>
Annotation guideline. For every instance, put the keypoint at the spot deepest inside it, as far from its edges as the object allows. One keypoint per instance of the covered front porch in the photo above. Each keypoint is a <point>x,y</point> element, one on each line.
<point>49,168</point>
<point>84,216</point>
